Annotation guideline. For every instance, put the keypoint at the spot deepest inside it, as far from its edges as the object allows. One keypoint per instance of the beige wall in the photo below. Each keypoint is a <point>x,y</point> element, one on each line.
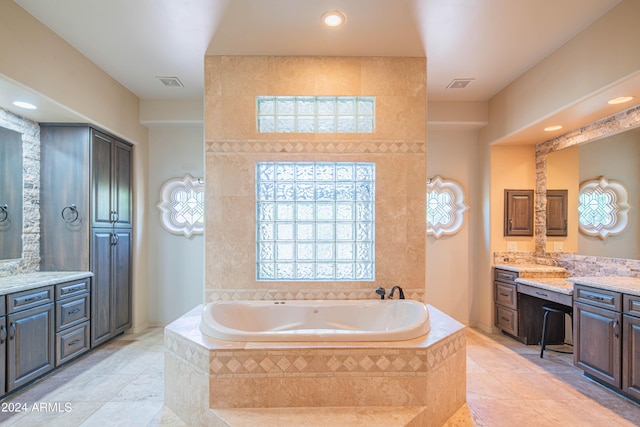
<point>233,147</point>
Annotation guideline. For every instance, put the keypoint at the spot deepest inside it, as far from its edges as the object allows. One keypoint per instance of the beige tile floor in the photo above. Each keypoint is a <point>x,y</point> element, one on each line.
<point>121,384</point>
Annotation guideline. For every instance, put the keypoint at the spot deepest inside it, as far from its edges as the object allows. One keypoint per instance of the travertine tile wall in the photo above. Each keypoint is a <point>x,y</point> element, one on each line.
<point>30,131</point>
<point>233,147</point>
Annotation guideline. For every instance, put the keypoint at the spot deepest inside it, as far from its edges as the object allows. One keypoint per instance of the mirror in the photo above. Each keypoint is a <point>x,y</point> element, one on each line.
<point>10,194</point>
<point>615,157</point>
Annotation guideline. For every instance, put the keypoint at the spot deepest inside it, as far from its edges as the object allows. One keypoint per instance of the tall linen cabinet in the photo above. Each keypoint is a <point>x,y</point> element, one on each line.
<point>86,217</point>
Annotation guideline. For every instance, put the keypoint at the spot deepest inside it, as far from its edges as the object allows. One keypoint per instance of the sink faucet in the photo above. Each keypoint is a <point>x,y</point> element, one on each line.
<point>400,292</point>
<point>380,291</point>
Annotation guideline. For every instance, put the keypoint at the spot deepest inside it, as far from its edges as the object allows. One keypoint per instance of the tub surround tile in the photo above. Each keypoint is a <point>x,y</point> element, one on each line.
<point>292,292</point>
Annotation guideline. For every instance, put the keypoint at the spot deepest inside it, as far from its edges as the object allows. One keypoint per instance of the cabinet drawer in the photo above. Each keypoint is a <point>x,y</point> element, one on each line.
<point>631,305</point>
<point>72,342</point>
<point>69,289</point>
<point>505,275</point>
<point>26,299</point>
<point>506,295</point>
<point>72,311</point>
<point>547,295</point>
<point>603,298</point>
<point>507,319</point>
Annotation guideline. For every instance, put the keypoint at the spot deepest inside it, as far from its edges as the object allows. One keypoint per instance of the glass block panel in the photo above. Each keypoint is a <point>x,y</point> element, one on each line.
<point>266,105</point>
<point>304,252</point>
<point>345,211</point>
<point>284,271</point>
<point>324,252</point>
<point>305,271</point>
<point>345,231</point>
<point>346,124</point>
<point>344,252</point>
<point>326,124</point>
<point>284,251</point>
<point>266,124</point>
<point>284,211</point>
<point>284,231</point>
<point>317,222</point>
<point>325,231</point>
<point>326,105</point>
<point>286,124</point>
<point>325,211</point>
<point>305,211</point>
<point>345,271</point>
<point>346,105</point>
<point>311,114</point>
<point>285,105</point>
<point>305,231</point>
<point>305,191</point>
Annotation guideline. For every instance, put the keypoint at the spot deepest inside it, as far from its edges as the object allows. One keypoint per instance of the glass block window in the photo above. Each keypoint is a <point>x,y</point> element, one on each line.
<point>182,206</point>
<point>445,206</point>
<point>316,114</point>
<point>315,221</point>
<point>603,208</point>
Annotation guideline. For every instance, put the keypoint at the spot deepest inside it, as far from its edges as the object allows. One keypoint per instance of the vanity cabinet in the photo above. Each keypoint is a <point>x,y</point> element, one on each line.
<point>518,212</point>
<point>30,326</point>
<point>72,319</point>
<point>607,338</point>
<point>87,217</point>
<point>506,300</point>
<point>3,345</point>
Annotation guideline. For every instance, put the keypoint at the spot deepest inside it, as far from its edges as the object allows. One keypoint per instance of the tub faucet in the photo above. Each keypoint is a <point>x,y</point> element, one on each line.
<point>380,291</point>
<point>400,292</point>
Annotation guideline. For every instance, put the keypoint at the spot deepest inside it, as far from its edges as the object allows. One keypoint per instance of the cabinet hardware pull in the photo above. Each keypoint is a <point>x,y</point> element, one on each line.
<point>3,212</point>
<point>114,216</point>
<point>72,289</point>
<point>616,329</point>
<point>12,331</point>
<point>510,224</point>
<point>506,319</point>
<point>74,342</point>
<point>594,297</point>
<point>72,215</point>
<point>503,294</point>
<point>541,294</point>
<point>73,311</point>
<point>35,298</point>
<point>3,334</point>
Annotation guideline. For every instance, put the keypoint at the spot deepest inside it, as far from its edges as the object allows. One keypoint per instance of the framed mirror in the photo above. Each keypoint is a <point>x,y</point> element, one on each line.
<point>10,194</point>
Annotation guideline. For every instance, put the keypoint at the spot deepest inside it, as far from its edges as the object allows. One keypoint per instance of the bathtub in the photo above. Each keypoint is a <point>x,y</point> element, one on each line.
<point>317,320</point>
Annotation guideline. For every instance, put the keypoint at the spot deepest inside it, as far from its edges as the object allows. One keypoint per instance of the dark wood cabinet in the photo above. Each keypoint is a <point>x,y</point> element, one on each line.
<point>87,225</point>
<point>518,212</point>
<point>597,347</point>
<point>3,350</point>
<point>631,358</point>
<point>30,348</point>
<point>557,211</point>
<point>111,293</point>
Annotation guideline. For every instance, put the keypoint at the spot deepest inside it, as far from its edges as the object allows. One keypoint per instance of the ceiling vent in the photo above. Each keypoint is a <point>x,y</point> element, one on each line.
<point>459,83</point>
<point>170,81</point>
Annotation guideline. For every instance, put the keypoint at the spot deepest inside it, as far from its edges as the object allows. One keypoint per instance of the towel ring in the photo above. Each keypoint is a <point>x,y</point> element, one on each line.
<point>71,215</point>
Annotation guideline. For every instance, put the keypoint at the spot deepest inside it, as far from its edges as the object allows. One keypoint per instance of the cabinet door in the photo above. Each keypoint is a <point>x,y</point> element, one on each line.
<point>3,354</point>
<point>101,266</point>
<point>122,194</point>
<point>631,356</point>
<point>598,345</point>
<point>121,302</point>
<point>518,212</point>
<point>30,349</point>
<point>101,179</point>
<point>557,212</point>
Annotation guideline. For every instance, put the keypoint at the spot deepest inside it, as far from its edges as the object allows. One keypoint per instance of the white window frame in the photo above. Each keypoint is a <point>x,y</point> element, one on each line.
<point>445,216</point>
<point>603,208</point>
<point>182,206</point>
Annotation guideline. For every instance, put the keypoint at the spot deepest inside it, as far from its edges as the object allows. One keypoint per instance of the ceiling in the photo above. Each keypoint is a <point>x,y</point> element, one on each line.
<point>491,42</point>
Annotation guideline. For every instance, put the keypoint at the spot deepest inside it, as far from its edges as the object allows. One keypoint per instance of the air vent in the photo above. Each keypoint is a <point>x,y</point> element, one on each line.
<point>170,81</point>
<point>459,83</point>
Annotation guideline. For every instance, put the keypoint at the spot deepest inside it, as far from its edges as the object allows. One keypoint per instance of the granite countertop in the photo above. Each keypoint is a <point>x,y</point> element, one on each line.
<point>23,282</point>
<point>553,284</point>
<point>534,270</point>
<point>626,285</point>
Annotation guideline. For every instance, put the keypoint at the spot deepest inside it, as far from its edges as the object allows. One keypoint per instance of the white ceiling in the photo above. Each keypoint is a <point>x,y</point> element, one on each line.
<point>492,42</point>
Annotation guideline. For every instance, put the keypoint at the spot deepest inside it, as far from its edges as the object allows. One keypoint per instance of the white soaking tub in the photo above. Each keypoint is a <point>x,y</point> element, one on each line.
<point>315,320</point>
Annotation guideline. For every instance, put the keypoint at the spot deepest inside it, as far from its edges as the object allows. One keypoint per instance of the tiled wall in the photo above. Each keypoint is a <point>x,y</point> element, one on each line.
<point>30,131</point>
<point>233,146</point>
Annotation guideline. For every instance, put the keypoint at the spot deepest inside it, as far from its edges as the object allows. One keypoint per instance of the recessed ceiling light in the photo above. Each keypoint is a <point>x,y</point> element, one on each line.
<point>333,18</point>
<point>26,105</point>
<point>552,128</point>
<point>620,100</point>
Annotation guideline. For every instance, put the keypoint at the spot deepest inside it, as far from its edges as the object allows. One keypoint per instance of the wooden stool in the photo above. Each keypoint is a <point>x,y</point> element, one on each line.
<point>555,308</point>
